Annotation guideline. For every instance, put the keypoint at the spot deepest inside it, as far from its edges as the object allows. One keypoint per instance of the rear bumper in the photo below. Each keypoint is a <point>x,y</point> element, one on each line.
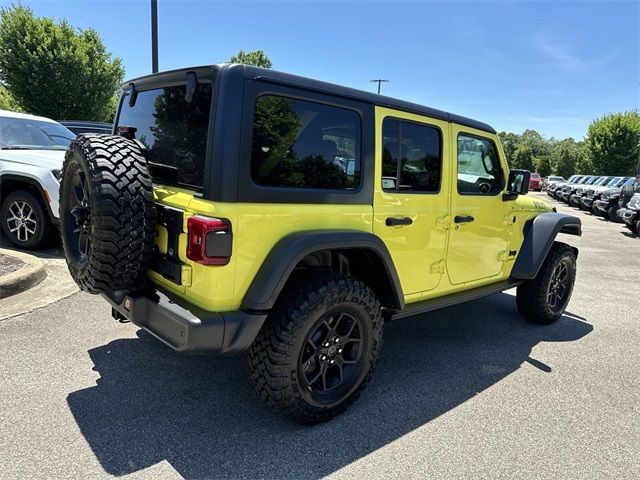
<point>184,327</point>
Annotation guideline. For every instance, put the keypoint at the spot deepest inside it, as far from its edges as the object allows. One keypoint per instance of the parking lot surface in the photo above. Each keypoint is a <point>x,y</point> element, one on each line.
<point>469,391</point>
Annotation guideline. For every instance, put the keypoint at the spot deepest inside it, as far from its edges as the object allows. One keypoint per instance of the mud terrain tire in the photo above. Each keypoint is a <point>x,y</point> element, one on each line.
<point>277,356</point>
<point>107,213</point>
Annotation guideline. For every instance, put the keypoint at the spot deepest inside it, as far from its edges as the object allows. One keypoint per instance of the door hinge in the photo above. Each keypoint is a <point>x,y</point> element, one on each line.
<point>437,267</point>
<point>509,219</point>
<point>443,222</point>
<point>186,275</point>
<point>506,255</point>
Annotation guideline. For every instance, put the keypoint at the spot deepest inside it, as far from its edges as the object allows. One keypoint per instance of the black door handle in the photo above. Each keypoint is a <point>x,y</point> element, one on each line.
<point>393,221</point>
<point>463,219</point>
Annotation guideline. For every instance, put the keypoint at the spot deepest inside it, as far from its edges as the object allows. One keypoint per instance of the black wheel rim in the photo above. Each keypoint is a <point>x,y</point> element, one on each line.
<point>559,286</point>
<point>79,224</point>
<point>332,356</point>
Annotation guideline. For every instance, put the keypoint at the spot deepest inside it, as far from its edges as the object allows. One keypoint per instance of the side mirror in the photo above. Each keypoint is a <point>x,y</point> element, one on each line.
<point>518,184</point>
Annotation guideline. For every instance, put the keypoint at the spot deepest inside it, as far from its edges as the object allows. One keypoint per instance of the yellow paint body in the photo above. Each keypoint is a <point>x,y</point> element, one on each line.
<point>433,256</point>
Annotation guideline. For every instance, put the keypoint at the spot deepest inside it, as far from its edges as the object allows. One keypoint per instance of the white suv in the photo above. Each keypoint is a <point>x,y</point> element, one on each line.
<point>31,153</point>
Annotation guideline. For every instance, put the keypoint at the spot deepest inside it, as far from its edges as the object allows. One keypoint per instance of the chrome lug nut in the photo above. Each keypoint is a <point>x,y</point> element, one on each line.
<point>332,361</point>
<point>323,357</point>
<point>336,340</point>
<point>340,350</point>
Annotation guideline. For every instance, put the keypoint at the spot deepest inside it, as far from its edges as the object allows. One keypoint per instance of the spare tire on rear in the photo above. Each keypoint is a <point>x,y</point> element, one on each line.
<point>107,213</point>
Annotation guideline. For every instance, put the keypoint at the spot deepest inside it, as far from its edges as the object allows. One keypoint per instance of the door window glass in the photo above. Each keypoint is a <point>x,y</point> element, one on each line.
<point>479,171</point>
<point>304,144</point>
<point>411,153</point>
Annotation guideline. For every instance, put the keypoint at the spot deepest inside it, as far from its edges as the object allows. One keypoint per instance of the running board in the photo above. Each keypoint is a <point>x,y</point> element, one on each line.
<point>450,300</point>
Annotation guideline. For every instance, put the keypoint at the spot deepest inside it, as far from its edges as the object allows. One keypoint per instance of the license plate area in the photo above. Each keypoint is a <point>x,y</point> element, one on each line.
<point>168,264</point>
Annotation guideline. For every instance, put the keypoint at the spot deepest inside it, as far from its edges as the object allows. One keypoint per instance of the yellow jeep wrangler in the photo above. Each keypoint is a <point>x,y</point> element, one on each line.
<point>237,208</point>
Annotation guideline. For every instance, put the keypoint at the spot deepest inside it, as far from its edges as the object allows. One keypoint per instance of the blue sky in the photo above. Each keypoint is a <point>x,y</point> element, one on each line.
<point>549,65</point>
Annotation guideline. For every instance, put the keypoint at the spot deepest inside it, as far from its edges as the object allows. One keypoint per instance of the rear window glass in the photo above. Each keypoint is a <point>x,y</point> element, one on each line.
<point>173,130</point>
<point>302,144</point>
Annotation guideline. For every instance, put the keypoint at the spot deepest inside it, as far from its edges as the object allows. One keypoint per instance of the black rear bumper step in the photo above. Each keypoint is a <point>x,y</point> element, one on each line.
<point>185,327</point>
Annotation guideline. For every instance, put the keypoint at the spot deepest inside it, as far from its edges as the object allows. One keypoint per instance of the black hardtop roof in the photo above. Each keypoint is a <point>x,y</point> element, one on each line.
<point>274,76</point>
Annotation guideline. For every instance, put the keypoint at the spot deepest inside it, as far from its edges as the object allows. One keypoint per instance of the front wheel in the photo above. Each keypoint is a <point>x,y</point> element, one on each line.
<point>612,214</point>
<point>544,299</point>
<point>318,348</point>
<point>24,221</point>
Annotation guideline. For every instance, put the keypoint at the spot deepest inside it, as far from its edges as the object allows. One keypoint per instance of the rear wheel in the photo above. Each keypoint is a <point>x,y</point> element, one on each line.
<point>24,220</point>
<point>318,348</point>
<point>544,299</point>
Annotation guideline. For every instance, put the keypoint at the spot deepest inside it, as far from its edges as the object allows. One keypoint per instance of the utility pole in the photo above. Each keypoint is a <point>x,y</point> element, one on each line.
<point>154,36</point>
<point>379,81</point>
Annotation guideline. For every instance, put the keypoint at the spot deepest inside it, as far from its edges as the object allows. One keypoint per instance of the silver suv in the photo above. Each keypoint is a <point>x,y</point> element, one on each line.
<point>31,153</point>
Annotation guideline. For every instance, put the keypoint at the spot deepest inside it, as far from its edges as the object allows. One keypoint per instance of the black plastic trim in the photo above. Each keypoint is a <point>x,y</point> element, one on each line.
<point>185,327</point>
<point>450,300</point>
<point>290,250</point>
<point>539,237</point>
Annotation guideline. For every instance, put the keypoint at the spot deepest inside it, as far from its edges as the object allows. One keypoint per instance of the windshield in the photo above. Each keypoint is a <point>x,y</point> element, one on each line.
<point>27,134</point>
<point>602,181</point>
<point>556,179</point>
<point>615,182</point>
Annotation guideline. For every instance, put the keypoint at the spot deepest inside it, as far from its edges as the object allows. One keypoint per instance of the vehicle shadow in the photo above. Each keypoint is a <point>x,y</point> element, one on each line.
<point>200,413</point>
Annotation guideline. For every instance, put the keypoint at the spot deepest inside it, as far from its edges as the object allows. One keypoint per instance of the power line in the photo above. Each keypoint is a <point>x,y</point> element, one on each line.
<point>379,81</point>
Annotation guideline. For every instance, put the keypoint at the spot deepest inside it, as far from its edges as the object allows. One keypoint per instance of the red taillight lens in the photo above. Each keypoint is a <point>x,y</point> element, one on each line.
<point>209,240</point>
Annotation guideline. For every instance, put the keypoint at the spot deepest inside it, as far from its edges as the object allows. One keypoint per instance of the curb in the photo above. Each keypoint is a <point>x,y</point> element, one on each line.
<point>30,274</point>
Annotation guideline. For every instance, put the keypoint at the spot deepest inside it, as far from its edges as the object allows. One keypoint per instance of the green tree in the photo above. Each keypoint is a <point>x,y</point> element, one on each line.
<point>255,57</point>
<point>583,163</point>
<point>510,142</point>
<point>55,70</point>
<point>7,102</point>
<point>543,166</point>
<point>613,143</point>
<point>523,157</point>
<point>566,154</point>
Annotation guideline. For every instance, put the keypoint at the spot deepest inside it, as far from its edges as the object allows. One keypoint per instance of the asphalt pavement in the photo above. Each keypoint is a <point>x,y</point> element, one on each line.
<point>466,392</point>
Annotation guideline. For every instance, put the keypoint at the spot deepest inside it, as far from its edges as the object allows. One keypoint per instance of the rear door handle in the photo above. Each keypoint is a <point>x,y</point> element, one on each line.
<point>393,221</point>
<point>463,219</point>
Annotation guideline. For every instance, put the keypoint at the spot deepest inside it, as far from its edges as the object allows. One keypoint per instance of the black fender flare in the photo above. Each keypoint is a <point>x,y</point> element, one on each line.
<point>291,249</point>
<point>539,236</point>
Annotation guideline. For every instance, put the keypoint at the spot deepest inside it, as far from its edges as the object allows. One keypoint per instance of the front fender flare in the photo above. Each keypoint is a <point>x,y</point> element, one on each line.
<point>539,236</point>
<point>290,250</point>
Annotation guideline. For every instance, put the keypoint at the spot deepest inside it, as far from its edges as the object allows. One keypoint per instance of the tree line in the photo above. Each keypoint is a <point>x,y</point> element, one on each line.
<point>611,147</point>
<point>52,69</point>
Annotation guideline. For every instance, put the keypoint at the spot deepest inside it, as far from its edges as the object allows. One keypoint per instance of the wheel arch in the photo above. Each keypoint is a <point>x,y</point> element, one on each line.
<point>539,235</point>
<point>363,255</point>
<point>10,183</point>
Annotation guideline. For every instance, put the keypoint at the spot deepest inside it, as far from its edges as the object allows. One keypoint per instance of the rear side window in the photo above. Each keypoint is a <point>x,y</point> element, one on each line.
<point>173,130</point>
<point>303,144</point>
<point>411,157</point>
<point>479,171</point>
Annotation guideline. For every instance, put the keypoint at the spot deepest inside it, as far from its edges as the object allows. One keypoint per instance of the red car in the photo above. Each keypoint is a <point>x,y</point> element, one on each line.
<point>535,183</point>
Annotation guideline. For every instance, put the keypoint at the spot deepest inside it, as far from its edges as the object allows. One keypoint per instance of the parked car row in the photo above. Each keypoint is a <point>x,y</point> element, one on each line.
<point>615,198</point>
<point>31,153</point>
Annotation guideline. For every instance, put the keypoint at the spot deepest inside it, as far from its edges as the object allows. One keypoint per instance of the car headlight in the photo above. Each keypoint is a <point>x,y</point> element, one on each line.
<point>57,174</point>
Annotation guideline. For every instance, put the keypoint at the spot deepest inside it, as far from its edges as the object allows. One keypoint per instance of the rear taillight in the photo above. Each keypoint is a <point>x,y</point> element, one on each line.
<point>209,240</point>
